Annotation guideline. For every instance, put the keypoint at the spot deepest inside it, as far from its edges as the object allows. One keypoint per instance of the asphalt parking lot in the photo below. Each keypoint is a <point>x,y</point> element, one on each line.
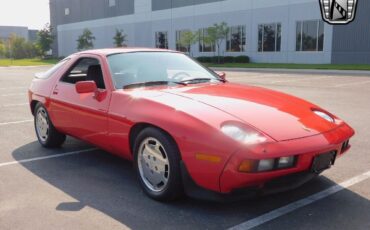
<point>91,189</point>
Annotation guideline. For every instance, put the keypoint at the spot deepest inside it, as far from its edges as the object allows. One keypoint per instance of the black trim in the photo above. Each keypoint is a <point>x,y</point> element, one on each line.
<point>193,190</point>
<point>277,185</point>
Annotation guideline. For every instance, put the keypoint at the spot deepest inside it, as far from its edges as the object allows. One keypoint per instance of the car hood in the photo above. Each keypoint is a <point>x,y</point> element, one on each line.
<point>278,115</point>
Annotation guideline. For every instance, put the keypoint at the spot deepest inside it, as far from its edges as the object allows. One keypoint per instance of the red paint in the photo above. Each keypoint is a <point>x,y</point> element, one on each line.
<point>86,87</point>
<point>192,115</point>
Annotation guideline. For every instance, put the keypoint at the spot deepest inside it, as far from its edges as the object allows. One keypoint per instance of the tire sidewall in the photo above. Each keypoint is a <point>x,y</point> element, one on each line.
<point>173,187</point>
<point>39,106</point>
<point>54,138</point>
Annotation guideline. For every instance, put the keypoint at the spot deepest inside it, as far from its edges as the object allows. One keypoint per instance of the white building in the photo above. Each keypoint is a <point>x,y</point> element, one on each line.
<point>264,30</point>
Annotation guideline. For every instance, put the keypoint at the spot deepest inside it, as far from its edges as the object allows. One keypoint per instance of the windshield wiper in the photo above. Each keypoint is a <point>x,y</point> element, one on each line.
<point>151,83</point>
<point>196,80</point>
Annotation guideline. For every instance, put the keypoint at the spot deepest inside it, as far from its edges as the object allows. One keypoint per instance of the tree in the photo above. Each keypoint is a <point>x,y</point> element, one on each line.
<point>187,39</point>
<point>45,39</point>
<point>120,38</point>
<point>2,49</point>
<point>19,48</point>
<point>86,40</point>
<point>216,35</point>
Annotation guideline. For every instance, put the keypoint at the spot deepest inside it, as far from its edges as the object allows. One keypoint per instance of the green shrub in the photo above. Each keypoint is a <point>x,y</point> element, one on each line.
<point>241,59</point>
<point>205,59</point>
<point>228,59</point>
<point>224,59</point>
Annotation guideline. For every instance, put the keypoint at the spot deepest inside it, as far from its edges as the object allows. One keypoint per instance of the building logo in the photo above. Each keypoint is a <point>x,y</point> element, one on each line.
<point>338,11</point>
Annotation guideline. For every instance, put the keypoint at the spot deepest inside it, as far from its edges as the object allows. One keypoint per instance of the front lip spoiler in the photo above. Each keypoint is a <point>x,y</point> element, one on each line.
<point>277,185</point>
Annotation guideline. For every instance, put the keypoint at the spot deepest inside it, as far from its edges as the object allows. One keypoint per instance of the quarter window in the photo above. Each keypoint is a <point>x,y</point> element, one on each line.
<point>310,35</point>
<point>85,69</point>
<point>269,37</point>
<point>161,40</point>
<point>53,69</point>
<point>236,40</point>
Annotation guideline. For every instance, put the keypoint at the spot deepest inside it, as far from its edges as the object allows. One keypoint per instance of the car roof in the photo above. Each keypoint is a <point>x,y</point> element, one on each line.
<point>110,51</point>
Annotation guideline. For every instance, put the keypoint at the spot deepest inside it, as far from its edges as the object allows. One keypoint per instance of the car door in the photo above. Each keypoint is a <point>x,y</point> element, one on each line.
<point>82,115</point>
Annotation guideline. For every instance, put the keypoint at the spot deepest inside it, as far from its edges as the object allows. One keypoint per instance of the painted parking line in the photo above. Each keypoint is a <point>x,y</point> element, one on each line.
<point>298,79</point>
<point>45,157</point>
<point>13,105</point>
<point>353,83</point>
<point>13,87</point>
<point>15,122</point>
<point>300,203</point>
<point>12,94</point>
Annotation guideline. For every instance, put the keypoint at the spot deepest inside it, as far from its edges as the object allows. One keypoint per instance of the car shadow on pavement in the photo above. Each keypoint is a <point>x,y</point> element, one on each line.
<point>108,184</point>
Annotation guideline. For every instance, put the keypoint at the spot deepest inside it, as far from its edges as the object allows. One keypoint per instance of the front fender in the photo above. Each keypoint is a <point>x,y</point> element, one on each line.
<point>194,128</point>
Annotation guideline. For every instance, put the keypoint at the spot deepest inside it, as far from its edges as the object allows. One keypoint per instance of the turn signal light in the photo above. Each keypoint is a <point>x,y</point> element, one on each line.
<point>265,165</point>
<point>248,166</point>
<point>207,157</point>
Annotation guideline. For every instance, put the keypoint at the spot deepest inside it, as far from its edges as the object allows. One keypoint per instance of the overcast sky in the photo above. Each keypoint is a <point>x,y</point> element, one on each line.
<point>31,13</point>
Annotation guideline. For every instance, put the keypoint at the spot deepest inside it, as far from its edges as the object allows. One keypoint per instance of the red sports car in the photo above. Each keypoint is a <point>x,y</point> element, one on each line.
<point>186,128</point>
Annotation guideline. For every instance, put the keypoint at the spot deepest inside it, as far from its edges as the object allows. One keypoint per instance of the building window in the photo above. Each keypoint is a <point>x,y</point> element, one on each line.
<point>161,40</point>
<point>205,46</point>
<point>269,37</point>
<point>236,40</point>
<point>310,35</point>
<point>66,11</point>
<point>179,35</point>
<point>112,3</point>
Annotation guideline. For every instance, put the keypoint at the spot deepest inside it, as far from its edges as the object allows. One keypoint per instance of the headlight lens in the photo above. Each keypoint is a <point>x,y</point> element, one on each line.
<point>266,165</point>
<point>285,162</point>
<point>324,116</point>
<point>238,134</point>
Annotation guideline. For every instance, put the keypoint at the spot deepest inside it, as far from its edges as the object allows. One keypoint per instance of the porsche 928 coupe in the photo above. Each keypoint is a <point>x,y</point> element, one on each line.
<point>186,128</point>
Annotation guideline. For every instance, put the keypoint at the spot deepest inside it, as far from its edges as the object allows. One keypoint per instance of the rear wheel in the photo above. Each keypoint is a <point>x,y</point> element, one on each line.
<point>157,162</point>
<point>46,133</point>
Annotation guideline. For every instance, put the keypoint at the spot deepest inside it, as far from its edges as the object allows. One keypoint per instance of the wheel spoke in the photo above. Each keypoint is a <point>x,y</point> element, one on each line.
<point>42,124</point>
<point>153,164</point>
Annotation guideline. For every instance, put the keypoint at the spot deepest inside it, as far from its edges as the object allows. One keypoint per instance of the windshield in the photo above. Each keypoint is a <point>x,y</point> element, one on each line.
<point>133,69</point>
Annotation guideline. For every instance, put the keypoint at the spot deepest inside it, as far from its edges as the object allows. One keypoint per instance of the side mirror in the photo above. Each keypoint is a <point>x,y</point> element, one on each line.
<point>222,75</point>
<point>86,87</point>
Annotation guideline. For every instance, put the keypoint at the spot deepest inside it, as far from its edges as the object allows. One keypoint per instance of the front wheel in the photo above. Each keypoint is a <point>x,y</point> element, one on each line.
<point>157,162</point>
<point>46,133</point>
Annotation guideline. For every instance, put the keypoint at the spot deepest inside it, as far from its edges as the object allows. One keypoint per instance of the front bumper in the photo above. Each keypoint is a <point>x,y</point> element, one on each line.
<point>234,184</point>
<point>305,149</point>
<point>280,184</point>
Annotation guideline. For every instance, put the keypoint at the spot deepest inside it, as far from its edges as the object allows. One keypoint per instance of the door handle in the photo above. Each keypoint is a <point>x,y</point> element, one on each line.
<point>55,91</point>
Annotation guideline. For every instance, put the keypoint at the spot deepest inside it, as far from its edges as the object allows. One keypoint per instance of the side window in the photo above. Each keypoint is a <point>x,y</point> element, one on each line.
<point>52,70</point>
<point>85,69</point>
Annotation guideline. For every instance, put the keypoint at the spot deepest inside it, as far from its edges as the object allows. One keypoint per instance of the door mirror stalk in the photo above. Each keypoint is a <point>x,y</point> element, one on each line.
<point>100,94</point>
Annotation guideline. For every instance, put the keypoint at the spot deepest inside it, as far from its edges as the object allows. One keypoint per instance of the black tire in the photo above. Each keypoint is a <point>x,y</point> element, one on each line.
<point>53,138</point>
<point>173,189</point>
